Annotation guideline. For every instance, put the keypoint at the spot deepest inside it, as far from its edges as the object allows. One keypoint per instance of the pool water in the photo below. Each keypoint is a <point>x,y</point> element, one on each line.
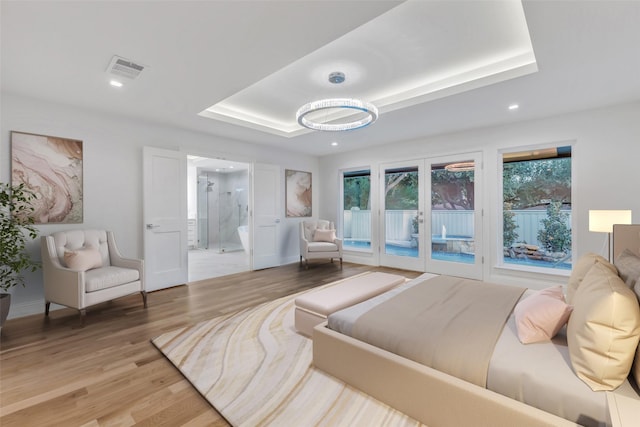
<point>396,250</point>
<point>448,256</point>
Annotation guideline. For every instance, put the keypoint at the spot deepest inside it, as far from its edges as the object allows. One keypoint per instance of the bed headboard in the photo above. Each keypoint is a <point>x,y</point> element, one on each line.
<point>626,237</point>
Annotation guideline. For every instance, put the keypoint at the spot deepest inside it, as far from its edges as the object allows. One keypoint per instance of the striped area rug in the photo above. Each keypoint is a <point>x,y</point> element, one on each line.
<point>256,370</point>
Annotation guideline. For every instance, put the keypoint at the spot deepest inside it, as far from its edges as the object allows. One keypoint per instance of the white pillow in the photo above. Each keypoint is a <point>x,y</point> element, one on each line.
<point>324,236</point>
<point>540,316</point>
<point>83,259</point>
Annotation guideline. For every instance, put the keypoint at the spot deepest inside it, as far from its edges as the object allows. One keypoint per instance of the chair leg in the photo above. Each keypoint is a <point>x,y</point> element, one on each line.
<point>306,264</point>
<point>47,305</point>
<point>340,262</point>
<point>144,298</point>
<point>83,316</point>
<point>300,259</point>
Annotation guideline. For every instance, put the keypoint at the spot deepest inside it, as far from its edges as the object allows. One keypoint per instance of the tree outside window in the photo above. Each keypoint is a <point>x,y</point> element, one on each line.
<point>537,208</point>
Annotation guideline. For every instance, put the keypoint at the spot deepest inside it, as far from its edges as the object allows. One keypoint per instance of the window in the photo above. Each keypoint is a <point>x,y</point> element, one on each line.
<point>536,211</point>
<point>356,206</point>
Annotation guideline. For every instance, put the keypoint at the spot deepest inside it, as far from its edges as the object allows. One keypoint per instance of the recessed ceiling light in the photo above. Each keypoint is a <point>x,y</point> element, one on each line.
<point>514,107</point>
<point>115,83</point>
<point>334,144</point>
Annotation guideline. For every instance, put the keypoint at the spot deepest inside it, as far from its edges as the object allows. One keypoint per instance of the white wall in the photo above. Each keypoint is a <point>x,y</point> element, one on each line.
<point>113,173</point>
<point>606,155</point>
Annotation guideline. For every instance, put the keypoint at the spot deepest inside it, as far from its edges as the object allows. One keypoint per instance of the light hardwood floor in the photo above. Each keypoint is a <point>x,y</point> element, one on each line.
<point>55,373</point>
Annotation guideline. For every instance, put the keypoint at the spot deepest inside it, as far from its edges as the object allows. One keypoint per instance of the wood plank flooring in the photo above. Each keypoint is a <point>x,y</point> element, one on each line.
<point>53,372</point>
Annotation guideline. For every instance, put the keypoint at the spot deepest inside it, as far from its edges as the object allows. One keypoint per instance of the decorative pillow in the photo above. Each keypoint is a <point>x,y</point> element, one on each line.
<point>540,316</point>
<point>581,268</point>
<point>324,235</point>
<point>603,330</point>
<point>83,259</point>
<point>628,265</point>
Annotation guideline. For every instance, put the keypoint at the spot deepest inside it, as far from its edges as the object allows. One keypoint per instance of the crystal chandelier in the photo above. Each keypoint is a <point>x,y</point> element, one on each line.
<point>368,108</point>
<point>332,103</point>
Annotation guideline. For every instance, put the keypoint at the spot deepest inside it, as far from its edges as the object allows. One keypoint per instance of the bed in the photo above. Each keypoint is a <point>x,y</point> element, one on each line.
<point>541,383</point>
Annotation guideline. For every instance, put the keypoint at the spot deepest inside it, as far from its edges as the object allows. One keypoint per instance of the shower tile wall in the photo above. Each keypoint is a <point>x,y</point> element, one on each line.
<point>225,209</point>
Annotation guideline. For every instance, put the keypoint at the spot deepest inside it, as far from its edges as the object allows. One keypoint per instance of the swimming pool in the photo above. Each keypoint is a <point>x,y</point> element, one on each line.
<point>440,255</point>
<point>406,250</point>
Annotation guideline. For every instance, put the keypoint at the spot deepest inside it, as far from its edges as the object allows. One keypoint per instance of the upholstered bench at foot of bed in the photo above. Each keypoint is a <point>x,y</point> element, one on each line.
<point>313,308</point>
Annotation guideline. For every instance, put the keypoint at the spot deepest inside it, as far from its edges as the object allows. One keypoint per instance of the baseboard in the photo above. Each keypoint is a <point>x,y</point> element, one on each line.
<point>29,308</point>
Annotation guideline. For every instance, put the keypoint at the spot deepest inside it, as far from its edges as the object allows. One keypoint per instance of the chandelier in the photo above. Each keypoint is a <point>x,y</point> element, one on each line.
<point>460,167</point>
<point>337,77</point>
<point>340,103</point>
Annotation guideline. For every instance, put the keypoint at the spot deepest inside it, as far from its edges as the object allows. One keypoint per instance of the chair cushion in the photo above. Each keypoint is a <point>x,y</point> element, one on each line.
<point>108,277</point>
<point>322,247</point>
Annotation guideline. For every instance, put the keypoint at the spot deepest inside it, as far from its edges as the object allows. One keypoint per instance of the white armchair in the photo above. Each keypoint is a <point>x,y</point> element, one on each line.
<point>318,240</point>
<point>84,267</point>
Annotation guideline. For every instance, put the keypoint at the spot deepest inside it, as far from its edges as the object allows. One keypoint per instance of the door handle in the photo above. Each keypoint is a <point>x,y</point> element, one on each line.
<point>152,226</point>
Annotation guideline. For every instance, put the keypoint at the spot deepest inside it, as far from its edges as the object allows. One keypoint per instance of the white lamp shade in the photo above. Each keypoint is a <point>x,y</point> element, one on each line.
<point>603,221</point>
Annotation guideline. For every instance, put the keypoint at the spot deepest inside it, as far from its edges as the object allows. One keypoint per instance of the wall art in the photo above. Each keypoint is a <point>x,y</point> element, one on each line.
<point>51,167</point>
<point>298,193</point>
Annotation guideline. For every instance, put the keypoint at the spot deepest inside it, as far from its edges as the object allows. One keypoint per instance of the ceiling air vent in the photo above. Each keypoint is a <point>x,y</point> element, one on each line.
<point>124,68</point>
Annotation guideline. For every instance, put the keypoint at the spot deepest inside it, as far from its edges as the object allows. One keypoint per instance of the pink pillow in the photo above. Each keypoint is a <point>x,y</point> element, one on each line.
<point>324,236</point>
<point>540,316</point>
<point>83,259</point>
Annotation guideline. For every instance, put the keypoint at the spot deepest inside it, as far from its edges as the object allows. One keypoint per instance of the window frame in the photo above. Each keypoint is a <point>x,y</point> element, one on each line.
<point>500,263</point>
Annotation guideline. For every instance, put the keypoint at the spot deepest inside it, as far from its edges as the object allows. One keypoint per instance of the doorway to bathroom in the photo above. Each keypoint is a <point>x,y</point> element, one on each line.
<point>218,217</point>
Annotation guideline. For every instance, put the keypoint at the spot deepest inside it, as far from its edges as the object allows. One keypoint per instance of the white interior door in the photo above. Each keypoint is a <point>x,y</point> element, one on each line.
<point>267,210</point>
<point>165,218</point>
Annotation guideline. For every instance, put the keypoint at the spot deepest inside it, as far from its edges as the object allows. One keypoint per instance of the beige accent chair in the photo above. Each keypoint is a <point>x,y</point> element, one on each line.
<point>313,247</point>
<point>98,271</point>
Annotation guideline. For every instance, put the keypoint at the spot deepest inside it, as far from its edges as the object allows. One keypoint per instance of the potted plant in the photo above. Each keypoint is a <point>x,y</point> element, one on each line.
<point>16,226</point>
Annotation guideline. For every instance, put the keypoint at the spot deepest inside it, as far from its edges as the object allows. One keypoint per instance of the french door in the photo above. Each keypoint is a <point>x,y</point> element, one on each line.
<point>431,215</point>
<point>402,215</point>
<point>453,215</point>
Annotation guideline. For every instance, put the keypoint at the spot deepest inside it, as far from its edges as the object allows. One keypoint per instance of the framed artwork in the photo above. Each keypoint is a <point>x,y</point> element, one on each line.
<point>298,193</point>
<point>51,167</point>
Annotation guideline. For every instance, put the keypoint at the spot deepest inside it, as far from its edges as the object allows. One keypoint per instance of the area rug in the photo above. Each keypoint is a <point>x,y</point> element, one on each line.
<point>256,370</point>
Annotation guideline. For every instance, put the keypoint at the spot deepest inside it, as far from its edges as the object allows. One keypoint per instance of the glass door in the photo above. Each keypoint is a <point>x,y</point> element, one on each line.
<point>454,216</point>
<point>402,215</point>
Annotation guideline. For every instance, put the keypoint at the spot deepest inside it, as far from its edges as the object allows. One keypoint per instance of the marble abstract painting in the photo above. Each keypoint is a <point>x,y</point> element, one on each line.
<point>298,193</point>
<point>51,167</point>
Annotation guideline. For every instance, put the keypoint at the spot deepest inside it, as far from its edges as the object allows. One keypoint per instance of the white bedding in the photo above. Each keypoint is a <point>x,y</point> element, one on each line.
<point>539,375</point>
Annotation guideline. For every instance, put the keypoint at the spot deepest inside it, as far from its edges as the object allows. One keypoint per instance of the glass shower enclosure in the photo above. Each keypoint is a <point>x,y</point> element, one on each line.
<point>222,204</point>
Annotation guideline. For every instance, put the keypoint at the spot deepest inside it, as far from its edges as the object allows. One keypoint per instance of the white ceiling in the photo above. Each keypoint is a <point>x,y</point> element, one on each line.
<point>267,57</point>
